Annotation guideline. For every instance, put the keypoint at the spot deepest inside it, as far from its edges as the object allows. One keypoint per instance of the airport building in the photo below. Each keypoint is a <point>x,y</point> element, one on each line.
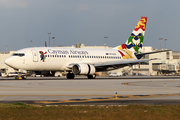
<point>81,45</point>
<point>164,63</point>
<point>3,67</point>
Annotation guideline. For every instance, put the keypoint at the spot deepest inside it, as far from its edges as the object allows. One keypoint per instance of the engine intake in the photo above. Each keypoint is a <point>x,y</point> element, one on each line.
<point>83,69</point>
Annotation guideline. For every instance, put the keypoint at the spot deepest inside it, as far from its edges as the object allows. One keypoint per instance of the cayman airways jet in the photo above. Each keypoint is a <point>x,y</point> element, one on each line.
<point>81,61</point>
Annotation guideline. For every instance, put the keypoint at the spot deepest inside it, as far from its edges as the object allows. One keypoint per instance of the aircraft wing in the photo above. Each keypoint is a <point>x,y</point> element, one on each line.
<point>141,54</point>
<point>106,66</point>
<point>119,64</point>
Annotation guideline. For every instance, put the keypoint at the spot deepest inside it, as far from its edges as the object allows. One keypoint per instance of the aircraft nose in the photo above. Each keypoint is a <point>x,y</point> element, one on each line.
<point>8,61</point>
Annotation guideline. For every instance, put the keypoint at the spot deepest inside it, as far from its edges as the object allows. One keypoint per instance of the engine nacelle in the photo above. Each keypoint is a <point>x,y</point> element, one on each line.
<point>83,69</point>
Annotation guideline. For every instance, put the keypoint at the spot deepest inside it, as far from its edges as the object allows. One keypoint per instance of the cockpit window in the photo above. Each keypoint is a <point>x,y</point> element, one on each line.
<point>18,54</point>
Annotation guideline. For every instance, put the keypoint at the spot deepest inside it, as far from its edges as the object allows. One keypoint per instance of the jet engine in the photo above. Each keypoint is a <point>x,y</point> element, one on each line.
<point>83,69</point>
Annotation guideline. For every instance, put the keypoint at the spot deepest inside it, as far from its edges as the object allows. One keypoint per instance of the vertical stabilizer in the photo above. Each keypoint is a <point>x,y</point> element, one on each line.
<point>135,41</point>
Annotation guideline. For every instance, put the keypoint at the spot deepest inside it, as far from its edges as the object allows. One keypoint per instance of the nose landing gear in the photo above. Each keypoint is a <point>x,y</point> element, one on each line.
<point>20,76</point>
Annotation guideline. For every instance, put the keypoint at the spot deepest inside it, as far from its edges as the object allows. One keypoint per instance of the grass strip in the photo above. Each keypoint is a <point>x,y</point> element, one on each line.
<point>23,111</point>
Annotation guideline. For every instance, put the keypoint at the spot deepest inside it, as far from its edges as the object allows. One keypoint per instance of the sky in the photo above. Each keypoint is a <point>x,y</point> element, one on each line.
<point>87,22</point>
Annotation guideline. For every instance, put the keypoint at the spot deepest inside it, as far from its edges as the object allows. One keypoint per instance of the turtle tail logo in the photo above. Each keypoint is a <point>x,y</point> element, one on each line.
<point>135,41</point>
<point>43,57</point>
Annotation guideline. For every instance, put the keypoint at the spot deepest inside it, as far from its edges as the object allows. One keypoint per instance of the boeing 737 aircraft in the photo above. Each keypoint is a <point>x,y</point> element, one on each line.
<point>81,61</point>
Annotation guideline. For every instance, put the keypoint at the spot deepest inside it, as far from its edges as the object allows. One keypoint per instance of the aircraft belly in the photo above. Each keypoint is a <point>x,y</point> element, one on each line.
<point>53,65</point>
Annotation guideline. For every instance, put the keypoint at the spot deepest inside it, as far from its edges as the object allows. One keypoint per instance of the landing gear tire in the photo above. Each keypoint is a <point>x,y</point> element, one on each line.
<point>23,76</point>
<point>70,76</point>
<point>91,76</point>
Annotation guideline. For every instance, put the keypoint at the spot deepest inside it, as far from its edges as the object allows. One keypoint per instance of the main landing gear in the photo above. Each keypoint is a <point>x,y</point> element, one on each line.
<point>70,76</point>
<point>91,76</point>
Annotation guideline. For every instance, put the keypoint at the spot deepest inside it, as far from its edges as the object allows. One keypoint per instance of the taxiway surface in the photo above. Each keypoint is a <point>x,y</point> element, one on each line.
<point>102,90</point>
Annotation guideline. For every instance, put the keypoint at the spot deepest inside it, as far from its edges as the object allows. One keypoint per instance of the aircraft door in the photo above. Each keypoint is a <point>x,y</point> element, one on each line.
<point>35,55</point>
<point>24,59</point>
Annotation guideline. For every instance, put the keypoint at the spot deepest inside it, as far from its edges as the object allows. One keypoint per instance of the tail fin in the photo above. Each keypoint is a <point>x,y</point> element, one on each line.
<point>135,41</point>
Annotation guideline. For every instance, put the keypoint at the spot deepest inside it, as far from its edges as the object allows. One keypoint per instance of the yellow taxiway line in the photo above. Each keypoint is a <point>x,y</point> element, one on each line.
<point>123,97</point>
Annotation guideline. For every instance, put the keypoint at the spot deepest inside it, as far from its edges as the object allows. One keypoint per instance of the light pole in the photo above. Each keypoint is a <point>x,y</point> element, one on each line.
<point>105,42</point>
<point>165,42</point>
<point>53,40</point>
<point>49,39</point>
<point>160,42</point>
<point>45,44</point>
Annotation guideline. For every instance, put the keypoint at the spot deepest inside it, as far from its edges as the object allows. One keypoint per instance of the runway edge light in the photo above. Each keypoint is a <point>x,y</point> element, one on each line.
<point>116,95</point>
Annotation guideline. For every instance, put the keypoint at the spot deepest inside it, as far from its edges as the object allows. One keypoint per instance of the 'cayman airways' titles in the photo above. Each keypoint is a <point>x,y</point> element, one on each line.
<point>58,51</point>
<point>78,52</point>
<point>66,52</point>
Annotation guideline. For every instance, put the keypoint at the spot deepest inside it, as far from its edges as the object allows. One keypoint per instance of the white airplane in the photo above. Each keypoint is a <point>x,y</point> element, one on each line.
<point>81,61</point>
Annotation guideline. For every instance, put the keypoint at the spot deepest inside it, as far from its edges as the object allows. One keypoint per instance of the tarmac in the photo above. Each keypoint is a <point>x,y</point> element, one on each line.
<point>149,90</point>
